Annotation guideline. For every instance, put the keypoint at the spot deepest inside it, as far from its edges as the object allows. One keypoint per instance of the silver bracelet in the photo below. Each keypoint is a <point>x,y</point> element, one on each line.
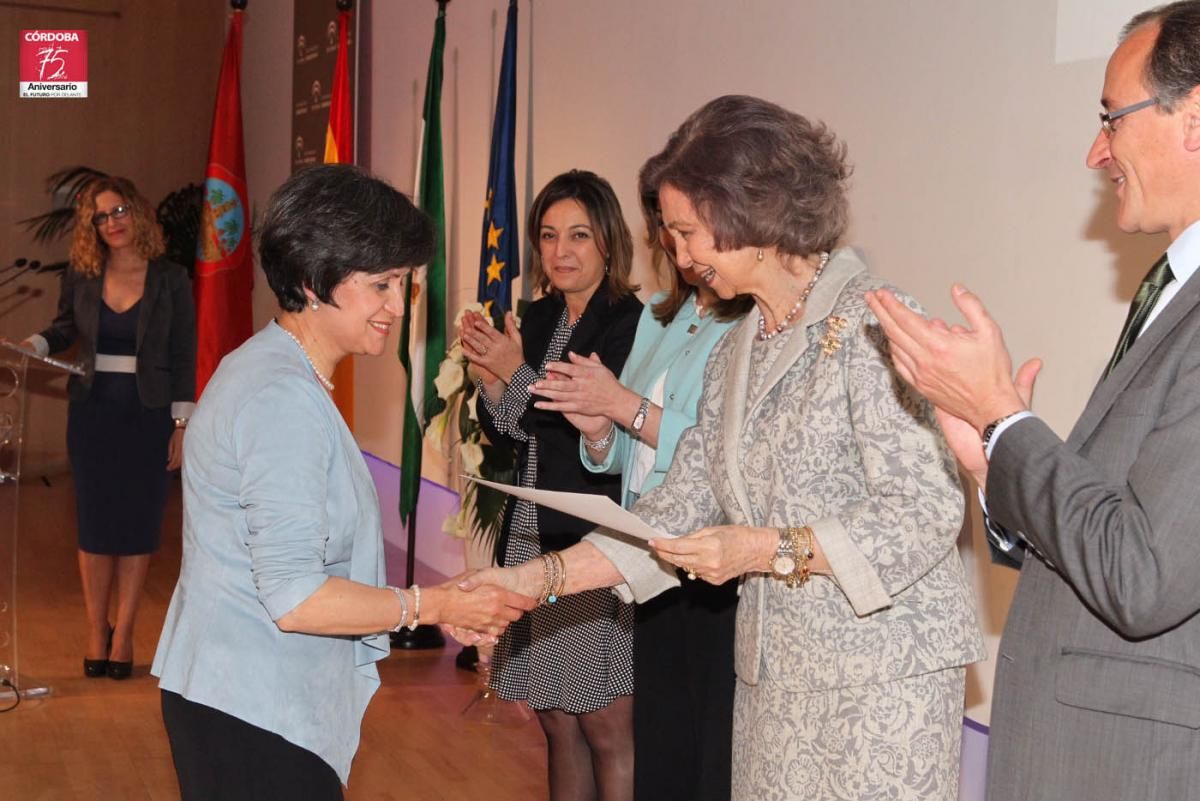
<point>403,608</point>
<point>604,441</point>
<point>416,619</point>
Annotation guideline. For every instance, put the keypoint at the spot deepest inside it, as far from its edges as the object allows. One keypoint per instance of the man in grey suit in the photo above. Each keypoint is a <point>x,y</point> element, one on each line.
<point>1098,678</point>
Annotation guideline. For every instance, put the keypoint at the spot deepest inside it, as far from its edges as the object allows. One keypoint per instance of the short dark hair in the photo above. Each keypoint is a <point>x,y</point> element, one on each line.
<point>1173,69</point>
<point>603,209</point>
<point>760,175</point>
<point>678,291</point>
<point>331,220</point>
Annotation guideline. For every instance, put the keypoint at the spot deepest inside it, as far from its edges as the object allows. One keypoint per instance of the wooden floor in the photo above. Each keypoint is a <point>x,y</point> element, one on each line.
<point>102,739</point>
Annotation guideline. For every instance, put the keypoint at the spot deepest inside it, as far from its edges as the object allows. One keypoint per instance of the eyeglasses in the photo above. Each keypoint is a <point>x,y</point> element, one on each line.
<point>118,213</point>
<point>1107,118</point>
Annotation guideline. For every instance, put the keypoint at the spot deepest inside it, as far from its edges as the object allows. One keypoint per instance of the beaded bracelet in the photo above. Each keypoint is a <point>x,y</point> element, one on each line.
<point>547,578</point>
<point>603,442</point>
<point>416,618</point>
<point>561,578</point>
<point>554,578</point>
<point>403,608</point>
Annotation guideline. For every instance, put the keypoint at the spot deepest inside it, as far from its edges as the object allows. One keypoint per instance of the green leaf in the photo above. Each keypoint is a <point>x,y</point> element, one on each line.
<point>466,426</point>
<point>433,407</point>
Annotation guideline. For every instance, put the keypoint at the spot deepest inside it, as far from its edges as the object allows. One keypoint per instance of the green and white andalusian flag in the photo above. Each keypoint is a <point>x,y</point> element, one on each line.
<point>423,341</point>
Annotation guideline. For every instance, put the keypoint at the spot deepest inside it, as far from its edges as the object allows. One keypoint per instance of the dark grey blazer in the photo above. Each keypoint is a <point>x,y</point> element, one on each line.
<point>1097,690</point>
<point>166,333</point>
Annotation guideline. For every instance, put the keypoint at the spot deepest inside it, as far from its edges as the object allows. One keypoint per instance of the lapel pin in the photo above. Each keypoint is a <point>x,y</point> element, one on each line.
<point>832,341</point>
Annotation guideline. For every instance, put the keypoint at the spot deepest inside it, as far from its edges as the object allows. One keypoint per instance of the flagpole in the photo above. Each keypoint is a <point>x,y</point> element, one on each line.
<point>425,636</point>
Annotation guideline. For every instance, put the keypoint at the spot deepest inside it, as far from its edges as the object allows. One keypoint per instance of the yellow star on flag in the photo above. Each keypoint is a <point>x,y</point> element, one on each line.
<point>494,269</point>
<point>487,308</point>
<point>487,204</point>
<point>494,235</point>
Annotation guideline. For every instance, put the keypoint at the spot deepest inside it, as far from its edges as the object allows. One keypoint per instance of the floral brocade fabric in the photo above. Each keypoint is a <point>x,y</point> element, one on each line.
<point>814,428</point>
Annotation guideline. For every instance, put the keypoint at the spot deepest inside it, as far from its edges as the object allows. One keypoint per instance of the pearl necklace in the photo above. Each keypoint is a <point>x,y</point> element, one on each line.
<point>325,382</point>
<point>763,334</point>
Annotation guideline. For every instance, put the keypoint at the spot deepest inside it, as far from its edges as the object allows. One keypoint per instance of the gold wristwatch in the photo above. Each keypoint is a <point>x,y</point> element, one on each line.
<point>790,562</point>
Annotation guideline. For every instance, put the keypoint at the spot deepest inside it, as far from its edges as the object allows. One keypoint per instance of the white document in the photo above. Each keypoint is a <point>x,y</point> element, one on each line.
<point>598,509</point>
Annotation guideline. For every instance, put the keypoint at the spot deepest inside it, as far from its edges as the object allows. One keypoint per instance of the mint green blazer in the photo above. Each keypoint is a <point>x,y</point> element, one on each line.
<point>682,355</point>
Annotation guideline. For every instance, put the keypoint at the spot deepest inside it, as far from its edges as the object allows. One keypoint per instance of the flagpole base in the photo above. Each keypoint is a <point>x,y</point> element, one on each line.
<point>467,659</point>
<point>422,638</point>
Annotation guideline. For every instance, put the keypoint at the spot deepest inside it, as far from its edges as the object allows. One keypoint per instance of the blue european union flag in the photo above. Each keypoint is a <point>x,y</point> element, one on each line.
<point>499,257</point>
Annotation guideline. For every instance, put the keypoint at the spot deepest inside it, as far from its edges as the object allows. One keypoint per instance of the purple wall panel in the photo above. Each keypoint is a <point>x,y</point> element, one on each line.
<point>439,555</point>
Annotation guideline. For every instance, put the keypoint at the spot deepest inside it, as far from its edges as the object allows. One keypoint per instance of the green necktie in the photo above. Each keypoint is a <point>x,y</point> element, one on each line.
<point>1143,302</point>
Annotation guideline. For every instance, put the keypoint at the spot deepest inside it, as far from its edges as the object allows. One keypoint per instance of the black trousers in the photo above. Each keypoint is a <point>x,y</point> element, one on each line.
<point>221,758</point>
<point>683,700</point>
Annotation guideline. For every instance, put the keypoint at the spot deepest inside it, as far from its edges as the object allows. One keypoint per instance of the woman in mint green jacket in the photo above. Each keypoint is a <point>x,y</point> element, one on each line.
<point>683,639</point>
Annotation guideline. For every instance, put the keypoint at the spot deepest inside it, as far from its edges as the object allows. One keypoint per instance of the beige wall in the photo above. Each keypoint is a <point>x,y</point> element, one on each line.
<point>152,76</point>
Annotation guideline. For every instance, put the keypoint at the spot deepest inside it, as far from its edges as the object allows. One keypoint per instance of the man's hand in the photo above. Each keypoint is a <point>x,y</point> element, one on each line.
<point>966,372</point>
<point>966,442</point>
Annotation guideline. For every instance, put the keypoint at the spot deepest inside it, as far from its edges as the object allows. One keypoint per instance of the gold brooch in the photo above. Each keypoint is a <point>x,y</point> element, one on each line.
<point>832,339</point>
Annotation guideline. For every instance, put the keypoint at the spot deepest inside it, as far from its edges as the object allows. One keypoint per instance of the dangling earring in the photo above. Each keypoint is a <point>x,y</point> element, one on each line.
<point>759,256</point>
<point>314,305</point>
<point>606,268</point>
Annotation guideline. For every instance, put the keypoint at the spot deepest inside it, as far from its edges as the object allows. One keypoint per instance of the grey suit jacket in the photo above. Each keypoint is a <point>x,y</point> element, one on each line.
<point>1098,679</point>
<point>166,333</point>
<point>834,440</point>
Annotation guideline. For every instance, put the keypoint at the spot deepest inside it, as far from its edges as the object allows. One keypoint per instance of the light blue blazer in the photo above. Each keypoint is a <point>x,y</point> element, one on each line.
<point>277,498</point>
<point>680,349</point>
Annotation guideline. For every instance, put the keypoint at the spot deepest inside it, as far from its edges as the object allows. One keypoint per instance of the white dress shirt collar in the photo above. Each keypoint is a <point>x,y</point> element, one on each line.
<point>1184,253</point>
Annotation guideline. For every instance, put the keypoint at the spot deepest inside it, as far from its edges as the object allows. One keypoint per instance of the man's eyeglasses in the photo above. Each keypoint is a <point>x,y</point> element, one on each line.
<point>118,213</point>
<point>1107,118</point>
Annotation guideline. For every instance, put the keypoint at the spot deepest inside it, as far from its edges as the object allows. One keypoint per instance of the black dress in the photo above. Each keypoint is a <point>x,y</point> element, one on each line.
<point>576,654</point>
<point>118,452</point>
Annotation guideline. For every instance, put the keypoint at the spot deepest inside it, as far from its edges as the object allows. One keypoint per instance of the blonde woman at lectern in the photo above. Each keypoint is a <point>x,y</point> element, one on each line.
<point>131,312</point>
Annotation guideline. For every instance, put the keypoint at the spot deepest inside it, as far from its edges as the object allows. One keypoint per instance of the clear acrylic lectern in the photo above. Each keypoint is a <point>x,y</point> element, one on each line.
<point>15,362</point>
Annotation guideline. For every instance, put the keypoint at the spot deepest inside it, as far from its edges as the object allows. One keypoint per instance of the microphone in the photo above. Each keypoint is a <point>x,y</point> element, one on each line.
<point>25,268</point>
<point>20,296</point>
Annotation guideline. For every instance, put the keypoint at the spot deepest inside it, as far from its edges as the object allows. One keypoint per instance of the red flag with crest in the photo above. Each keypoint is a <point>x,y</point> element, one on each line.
<point>224,275</point>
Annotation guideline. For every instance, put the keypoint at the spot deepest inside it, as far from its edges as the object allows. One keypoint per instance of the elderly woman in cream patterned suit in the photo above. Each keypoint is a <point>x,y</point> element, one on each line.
<point>814,474</point>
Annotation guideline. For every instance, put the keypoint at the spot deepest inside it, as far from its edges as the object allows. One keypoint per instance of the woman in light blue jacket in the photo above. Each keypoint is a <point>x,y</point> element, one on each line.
<point>266,662</point>
<point>683,639</point>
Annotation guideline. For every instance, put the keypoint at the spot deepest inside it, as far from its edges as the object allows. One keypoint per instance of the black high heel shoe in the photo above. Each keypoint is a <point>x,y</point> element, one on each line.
<point>95,668</point>
<point>120,670</point>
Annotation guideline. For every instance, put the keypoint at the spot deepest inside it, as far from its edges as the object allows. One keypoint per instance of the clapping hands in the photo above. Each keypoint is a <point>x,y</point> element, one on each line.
<point>496,355</point>
<point>584,391</point>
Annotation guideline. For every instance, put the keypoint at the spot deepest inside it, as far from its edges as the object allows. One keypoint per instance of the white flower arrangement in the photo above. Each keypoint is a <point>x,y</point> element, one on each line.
<point>456,426</point>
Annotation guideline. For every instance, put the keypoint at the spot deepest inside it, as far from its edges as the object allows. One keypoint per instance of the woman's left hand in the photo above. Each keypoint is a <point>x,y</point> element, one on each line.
<point>175,450</point>
<point>497,352</point>
<point>719,553</point>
